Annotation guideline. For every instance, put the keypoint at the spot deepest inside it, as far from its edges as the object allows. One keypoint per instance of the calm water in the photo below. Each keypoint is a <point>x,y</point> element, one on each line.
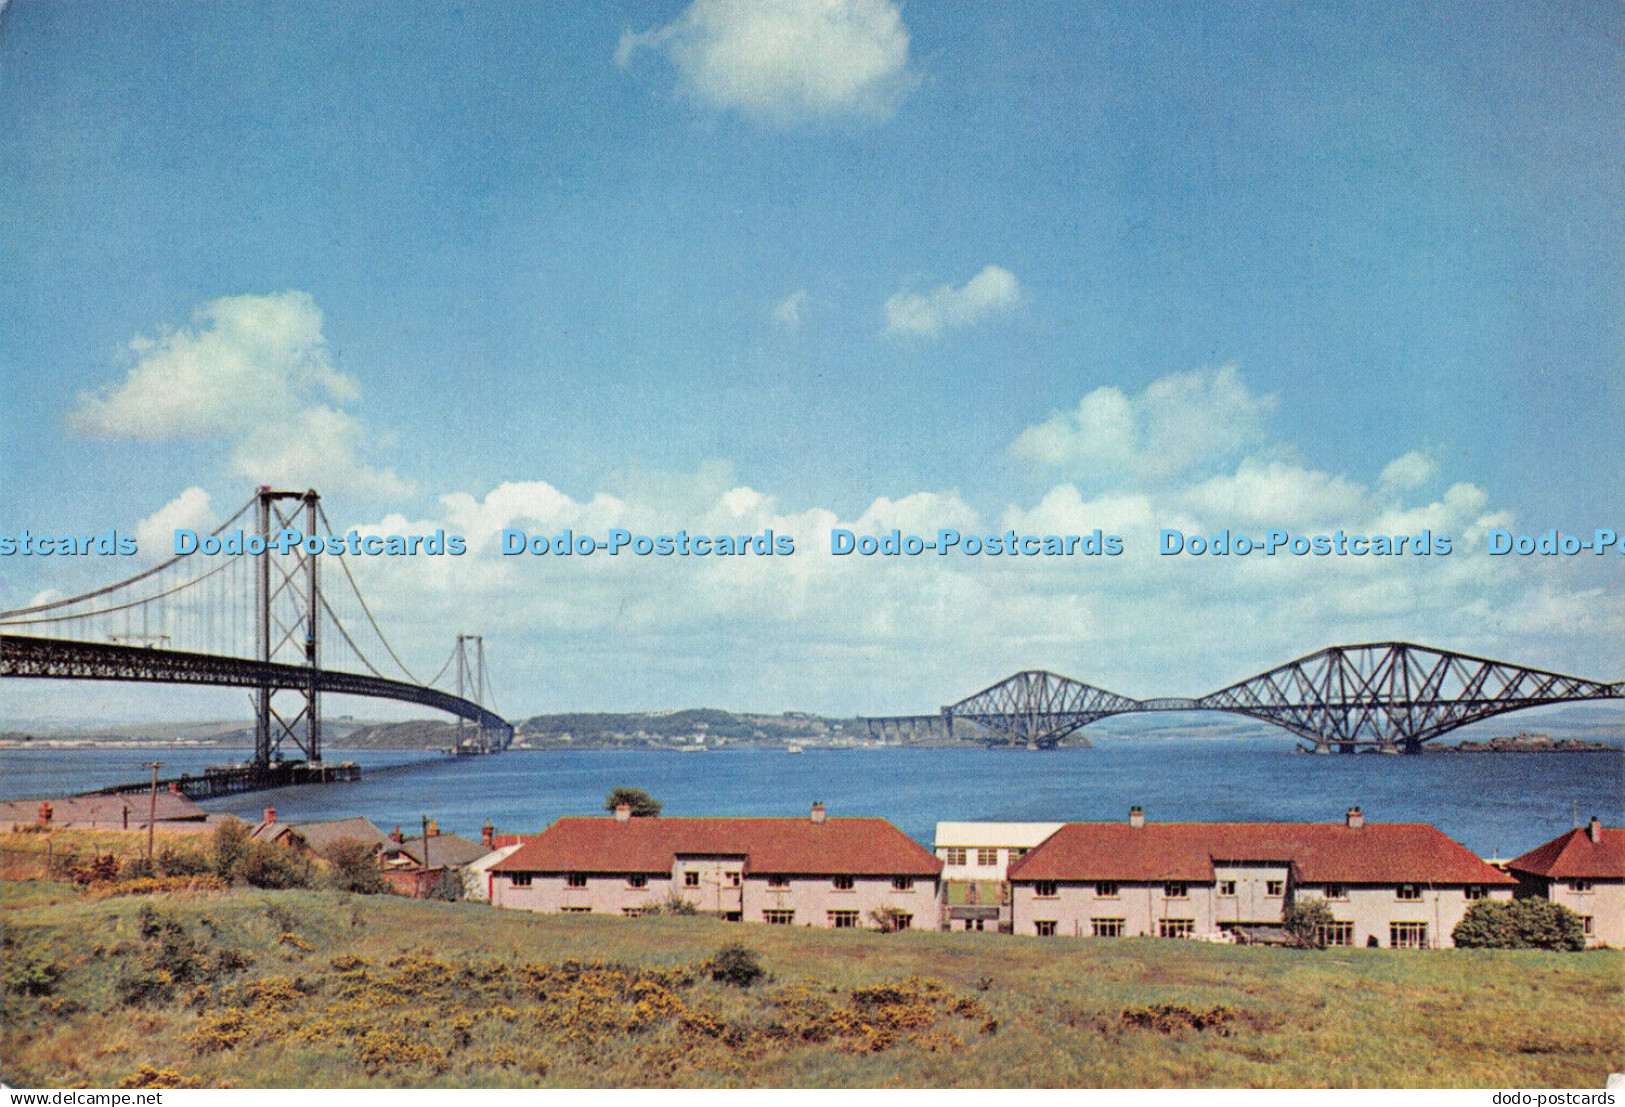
<point>1494,803</point>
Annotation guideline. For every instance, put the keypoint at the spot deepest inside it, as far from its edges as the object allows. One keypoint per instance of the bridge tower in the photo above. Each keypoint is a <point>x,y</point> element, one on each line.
<point>286,623</point>
<point>470,685</point>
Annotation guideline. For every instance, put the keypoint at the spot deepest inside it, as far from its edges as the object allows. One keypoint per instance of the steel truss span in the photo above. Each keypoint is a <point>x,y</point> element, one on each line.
<point>1394,695</point>
<point>1037,709</point>
<point>1391,696</point>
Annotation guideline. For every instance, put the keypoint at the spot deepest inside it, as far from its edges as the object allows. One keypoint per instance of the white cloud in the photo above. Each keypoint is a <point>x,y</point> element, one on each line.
<point>1411,470</point>
<point>253,373</point>
<point>190,510</point>
<point>994,289</point>
<point>785,61</point>
<point>1180,422</point>
<point>787,312</point>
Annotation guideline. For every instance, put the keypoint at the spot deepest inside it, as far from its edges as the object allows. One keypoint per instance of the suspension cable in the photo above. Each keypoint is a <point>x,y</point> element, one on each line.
<point>6,615</point>
<point>363,600</point>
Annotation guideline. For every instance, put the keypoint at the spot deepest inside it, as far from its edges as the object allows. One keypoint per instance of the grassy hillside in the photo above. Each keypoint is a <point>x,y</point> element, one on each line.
<point>307,988</point>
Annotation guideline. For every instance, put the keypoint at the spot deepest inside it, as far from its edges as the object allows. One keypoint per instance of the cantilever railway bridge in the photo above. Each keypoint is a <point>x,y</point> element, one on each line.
<point>263,621</point>
<point>1391,696</point>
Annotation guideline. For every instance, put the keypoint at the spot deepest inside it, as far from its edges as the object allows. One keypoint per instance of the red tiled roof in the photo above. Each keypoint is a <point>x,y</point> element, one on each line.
<point>860,847</point>
<point>1376,853</point>
<point>1574,855</point>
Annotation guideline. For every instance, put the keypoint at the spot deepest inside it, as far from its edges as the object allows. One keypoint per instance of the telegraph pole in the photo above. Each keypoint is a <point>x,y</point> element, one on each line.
<point>152,811</point>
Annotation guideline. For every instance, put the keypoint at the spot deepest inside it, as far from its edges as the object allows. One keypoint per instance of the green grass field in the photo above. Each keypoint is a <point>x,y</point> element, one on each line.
<point>302,988</point>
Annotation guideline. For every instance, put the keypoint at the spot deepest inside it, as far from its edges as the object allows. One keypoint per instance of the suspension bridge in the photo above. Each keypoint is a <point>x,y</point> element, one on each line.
<point>270,621</point>
<point>1389,696</point>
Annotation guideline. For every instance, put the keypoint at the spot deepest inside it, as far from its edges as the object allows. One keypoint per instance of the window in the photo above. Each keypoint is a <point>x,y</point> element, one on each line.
<point>779,918</point>
<point>986,857</point>
<point>1408,935</point>
<point>1227,887</point>
<point>973,924</point>
<point>1176,890</point>
<point>1044,928</point>
<point>520,880</point>
<point>1176,928</point>
<point>732,878</point>
<point>902,883</point>
<point>902,922</point>
<point>1588,925</point>
<point>1106,928</point>
<point>637,880</point>
<point>843,920</point>
<point>778,882</point>
<point>1337,934</point>
<point>1408,891</point>
<point>691,879</point>
<point>1579,885</point>
<point>1336,891</point>
<point>1045,889</point>
<point>843,883</point>
<point>577,910</point>
<point>953,855</point>
<point>575,880</point>
<point>633,912</point>
<point>1275,887</point>
<point>1018,853</point>
<point>1476,891</point>
<point>1106,889</point>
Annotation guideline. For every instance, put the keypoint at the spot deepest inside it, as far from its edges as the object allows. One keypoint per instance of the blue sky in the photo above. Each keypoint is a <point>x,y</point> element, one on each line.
<point>1108,264</point>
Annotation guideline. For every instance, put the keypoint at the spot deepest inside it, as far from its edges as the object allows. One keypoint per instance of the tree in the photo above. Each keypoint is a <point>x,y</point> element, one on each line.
<point>1519,924</point>
<point>1307,920</point>
<point>643,805</point>
<point>353,867</point>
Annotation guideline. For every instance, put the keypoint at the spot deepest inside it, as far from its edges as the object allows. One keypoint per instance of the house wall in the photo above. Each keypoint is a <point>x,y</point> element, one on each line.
<point>604,894</point>
<point>972,870</point>
<point>1140,906</point>
<point>1371,908</point>
<point>1604,903</point>
<point>812,898</point>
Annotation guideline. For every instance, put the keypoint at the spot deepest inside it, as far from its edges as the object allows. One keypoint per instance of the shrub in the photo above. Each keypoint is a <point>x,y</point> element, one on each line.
<point>265,865</point>
<point>31,972</point>
<point>448,888</point>
<point>1519,924</point>
<point>673,904</point>
<point>174,862</point>
<point>136,868</point>
<point>736,965</point>
<point>889,920</point>
<point>226,848</point>
<point>1306,921</point>
<point>353,867</point>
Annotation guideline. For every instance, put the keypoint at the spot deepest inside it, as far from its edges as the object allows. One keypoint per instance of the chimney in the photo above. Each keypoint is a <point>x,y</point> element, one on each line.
<point>1136,816</point>
<point>434,829</point>
<point>1355,818</point>
<point>270,815</point>
<point>1594,831</point>
<point>818,812</point>
<point>396,836</point>
<point>488,834</point>
<point>623,812</point>
<point>45,811</point>
<point>175,786</point>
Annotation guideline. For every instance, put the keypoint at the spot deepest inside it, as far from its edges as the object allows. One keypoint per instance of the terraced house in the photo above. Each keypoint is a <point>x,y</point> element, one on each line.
<point>817,871</point>
<point>1584,870</point>
<point>1401,885</point>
